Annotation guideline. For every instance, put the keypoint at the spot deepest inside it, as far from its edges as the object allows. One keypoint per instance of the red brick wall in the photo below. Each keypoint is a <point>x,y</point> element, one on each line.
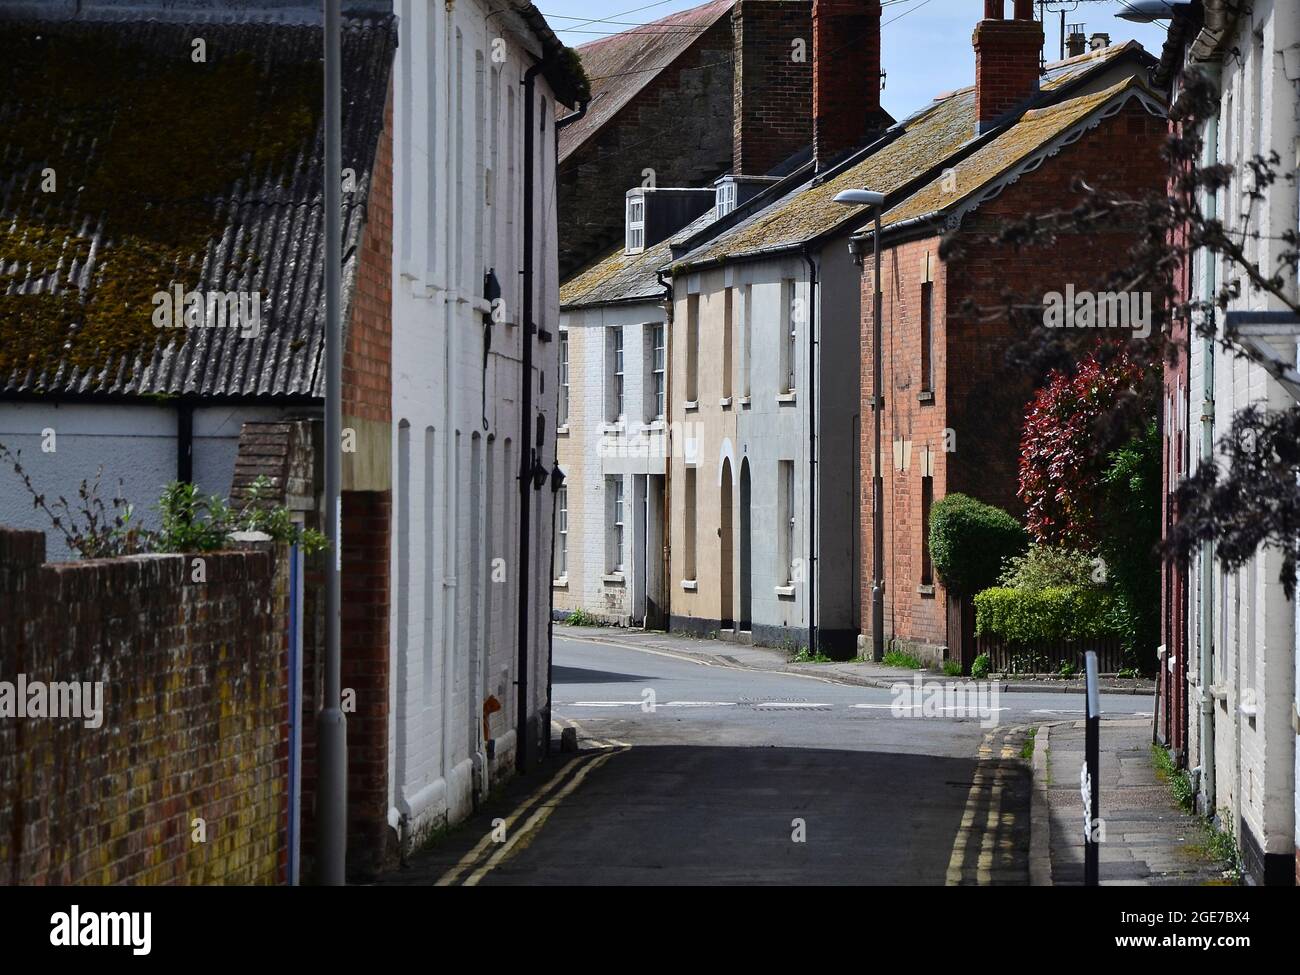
<point>365,607</point>
<point>1006,65</point>
<point>680,125</point>
<point>1181,436</point>
<point>195,718</point>
<point>367,394</point>
<point>846,83</point>
<point>976,395</point>
<point>773,91</point>
<point>367,361</point>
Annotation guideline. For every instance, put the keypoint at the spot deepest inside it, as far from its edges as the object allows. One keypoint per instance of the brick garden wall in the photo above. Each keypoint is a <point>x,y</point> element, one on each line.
<point>195,718</point>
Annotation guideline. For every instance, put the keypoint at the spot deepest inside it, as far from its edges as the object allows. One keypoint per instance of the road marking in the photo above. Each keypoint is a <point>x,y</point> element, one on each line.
<point>957,860</point>
<point>1131,714</point>
<point>788,705</point>
<point>629,646</point>
<point>919,707</point>
<point>465,862</point>
<point>539,817</point>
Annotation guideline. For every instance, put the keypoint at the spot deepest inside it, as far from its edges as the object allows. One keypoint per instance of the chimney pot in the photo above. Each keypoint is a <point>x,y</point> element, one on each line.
<point>993,9</point>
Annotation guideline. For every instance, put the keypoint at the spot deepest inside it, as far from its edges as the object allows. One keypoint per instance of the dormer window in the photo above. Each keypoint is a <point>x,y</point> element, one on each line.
<point>726,198</point>
<point>635,224</point>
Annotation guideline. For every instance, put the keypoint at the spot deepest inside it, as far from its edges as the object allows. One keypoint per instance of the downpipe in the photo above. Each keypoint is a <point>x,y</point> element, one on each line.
<point>811,546</point>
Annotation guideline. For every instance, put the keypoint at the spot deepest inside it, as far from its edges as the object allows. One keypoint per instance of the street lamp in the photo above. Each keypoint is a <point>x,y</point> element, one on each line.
<point>877,202</point>
<point>1149,11</point>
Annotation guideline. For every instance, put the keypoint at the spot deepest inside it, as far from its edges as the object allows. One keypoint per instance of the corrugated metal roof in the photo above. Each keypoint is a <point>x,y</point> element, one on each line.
<point>920,142</point>
<point>207,175</point>
<point>620,65</point>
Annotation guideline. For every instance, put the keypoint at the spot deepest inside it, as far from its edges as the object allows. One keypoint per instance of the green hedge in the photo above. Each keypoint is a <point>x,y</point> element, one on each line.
<point>1054,613</point>
<point>970,541</point>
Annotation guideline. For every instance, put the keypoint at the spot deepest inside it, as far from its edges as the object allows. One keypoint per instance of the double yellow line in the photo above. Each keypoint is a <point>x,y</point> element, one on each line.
<point>533,811</point>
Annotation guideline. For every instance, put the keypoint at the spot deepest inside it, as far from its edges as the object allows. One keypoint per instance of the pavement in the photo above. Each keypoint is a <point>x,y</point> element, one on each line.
<point>732,767</point>
<point>1148,840</point>
<point>862,672</point>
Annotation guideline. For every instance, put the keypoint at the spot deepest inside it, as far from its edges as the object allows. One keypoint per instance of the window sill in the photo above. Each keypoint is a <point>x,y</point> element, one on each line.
<point>925,590</point>
<point>789,397</point>
<point>608,429</point>
<point>562,431</point>
<point>784,592</point>
<point>691,405</point>
<point>655,425</point>
<point>725,402</point>
<point>744,402</point>
<point>925,396</point>
<point>690,585</point>
<point>562,583</point>
<point>613,579</point>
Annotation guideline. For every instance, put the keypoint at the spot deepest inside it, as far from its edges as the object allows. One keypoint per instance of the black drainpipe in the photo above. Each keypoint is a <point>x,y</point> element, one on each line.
<point>812,451</point>
<point>526,449</point>
<point>185,443</point>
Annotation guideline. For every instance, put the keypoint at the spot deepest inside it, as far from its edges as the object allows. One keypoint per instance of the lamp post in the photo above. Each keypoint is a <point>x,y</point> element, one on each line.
<point>332,735</point>
<point>876,201</point>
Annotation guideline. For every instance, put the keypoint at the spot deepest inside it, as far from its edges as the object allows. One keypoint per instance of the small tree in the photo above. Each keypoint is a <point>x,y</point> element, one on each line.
<point>970,541</point>
<point>1063,449</point>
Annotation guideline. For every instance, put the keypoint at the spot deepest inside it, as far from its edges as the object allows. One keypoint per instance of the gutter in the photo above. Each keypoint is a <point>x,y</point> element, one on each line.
<point>813,300</point>
<point>666,280</point>
<point>1205,647</point>
<point>527,454</point>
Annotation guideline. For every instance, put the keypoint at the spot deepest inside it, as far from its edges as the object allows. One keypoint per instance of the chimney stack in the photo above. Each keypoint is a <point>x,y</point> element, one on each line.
<point>1007,56</point>
<point>1076,42</point>
<point>772,106</point>
<point>846,77</point>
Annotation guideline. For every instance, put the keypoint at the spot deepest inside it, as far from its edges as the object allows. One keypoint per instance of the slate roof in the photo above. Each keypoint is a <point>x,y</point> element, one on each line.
<point>621,65</point>
<point>620,276</point>
<point>1034,132</point>
<point>206,175</point>
<point>906,152</point>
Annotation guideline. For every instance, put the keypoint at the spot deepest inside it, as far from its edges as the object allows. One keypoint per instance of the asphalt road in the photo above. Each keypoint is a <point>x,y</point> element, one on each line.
<point>699,773</point>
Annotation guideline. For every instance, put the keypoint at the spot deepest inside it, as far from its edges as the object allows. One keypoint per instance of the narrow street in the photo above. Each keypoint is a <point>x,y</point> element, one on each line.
<point>696,772</point>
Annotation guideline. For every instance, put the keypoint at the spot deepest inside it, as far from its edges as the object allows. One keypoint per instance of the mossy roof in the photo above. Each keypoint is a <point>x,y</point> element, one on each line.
<point>1034,131</point>
<point>170,172</point>
<point>620,276</point>
<point>918,144</point>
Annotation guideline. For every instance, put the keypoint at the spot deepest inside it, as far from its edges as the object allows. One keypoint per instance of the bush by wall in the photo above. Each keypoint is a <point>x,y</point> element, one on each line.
<point>970,541</point>
<point>1053,613</point>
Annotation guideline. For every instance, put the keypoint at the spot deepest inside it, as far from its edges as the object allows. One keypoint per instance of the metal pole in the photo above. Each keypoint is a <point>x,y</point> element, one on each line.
<point>877,482</point>
<point>1092,780</point>
<point>332,739</point>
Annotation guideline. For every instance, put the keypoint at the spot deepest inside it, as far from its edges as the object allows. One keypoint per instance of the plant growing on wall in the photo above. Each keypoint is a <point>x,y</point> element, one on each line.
<point>190,522</point>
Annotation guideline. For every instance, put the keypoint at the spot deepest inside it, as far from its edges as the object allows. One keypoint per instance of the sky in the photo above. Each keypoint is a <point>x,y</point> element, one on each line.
<point>925,44</point>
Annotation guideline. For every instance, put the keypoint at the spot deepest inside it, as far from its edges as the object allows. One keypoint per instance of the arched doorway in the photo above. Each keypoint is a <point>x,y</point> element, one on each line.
<point>726,567</point>
<point>746,580</point>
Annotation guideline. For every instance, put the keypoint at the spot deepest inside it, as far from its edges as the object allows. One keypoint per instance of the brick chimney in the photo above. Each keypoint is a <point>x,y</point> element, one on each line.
<point>846,77</point>
<point>1007,56</point>
<point>773,86</point>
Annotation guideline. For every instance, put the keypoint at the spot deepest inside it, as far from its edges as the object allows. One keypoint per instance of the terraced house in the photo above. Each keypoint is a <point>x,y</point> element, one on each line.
<point>187,160</point>
<point>618,424</point>
<point>1229,701</point>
